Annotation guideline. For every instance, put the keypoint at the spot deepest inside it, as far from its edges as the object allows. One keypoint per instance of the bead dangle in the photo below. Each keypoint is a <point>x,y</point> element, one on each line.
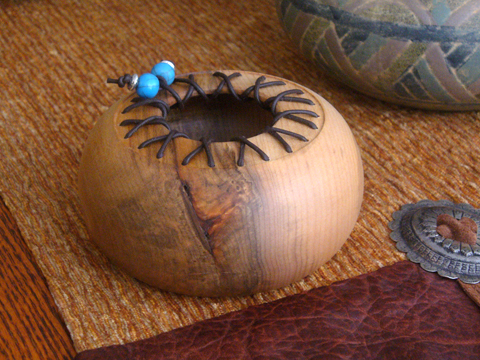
<point>148,85</point>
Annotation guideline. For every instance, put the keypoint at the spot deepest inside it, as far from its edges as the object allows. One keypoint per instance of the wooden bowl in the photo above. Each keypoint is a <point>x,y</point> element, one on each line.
<point>228,229</point>
<point>417,53</point>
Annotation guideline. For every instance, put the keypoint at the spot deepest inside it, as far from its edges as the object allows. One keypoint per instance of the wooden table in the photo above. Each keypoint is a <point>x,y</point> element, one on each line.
<point>30,326</point>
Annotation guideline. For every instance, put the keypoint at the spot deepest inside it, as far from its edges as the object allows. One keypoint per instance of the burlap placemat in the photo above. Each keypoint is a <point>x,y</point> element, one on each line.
<point>56,56</point>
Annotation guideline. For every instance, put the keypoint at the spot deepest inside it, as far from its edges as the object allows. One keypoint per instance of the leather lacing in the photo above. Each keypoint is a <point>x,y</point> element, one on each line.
<point>269,104</point>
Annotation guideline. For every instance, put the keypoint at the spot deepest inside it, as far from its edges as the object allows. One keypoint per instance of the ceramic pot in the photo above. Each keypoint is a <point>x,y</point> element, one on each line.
<point>265,189</point>
<point>424,54</point>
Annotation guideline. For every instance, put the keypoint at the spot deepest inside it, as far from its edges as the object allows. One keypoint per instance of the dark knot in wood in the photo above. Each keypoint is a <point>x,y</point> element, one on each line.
<point>463,230</point>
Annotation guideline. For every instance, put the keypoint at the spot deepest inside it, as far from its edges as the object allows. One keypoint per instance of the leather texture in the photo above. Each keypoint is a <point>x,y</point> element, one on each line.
<point>397,312</point>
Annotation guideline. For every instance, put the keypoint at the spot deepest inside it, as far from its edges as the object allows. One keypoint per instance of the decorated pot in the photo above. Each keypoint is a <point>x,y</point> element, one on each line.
<point>229,183</point>
<point>424,54</point>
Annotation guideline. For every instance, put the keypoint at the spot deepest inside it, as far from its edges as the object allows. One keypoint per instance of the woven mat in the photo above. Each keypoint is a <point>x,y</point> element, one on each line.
<point>56,56</point>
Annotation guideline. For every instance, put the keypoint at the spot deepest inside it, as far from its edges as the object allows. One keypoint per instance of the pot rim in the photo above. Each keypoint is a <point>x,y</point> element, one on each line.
<point>265,146</point>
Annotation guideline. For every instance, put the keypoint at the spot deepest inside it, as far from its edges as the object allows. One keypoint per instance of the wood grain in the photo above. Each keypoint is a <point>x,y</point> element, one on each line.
<point>30,327</point>
<point>224,230</point>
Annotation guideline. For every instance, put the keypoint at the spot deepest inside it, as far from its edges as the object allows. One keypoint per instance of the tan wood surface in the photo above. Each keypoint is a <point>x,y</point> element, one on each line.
<point>30,327</point>
<point>223,230</point>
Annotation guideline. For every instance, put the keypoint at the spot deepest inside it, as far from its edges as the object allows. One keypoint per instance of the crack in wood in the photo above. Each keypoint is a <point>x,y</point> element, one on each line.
<point>201,226</point>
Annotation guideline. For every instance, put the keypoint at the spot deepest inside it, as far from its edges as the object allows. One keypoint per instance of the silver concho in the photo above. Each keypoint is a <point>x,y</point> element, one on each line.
<point>414,231</point>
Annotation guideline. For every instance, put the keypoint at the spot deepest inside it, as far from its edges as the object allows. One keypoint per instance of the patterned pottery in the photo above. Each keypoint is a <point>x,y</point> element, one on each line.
<point>419,53</point>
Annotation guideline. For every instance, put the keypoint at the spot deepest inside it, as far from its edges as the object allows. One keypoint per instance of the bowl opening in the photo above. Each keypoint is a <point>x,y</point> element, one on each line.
<point>220,119</point>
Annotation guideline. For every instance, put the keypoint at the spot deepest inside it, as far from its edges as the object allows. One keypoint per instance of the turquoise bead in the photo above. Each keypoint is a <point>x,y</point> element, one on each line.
<point>148,86</point>
<point>166,70</point>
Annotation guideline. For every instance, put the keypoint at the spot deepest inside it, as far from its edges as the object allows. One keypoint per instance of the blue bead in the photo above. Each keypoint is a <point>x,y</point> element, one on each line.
<point>148,86</point>
<point>165,70</point>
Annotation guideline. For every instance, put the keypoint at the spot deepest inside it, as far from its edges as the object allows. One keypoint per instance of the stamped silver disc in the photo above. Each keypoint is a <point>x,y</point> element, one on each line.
<point>414,228</point>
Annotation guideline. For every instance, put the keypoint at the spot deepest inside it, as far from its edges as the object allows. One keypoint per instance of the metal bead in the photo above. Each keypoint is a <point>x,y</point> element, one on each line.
<point>169,63</point>
<point>133,83</point>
